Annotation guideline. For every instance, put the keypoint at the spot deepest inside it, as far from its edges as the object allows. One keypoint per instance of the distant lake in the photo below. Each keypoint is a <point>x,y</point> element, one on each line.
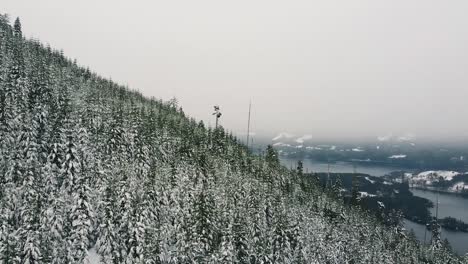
<point>341,167</point>
<point>458,240</point>
<point>449,205</point>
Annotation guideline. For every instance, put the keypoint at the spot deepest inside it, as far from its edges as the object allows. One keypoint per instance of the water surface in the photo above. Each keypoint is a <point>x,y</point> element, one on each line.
<point>458,240</point>
<point>340,167</point>
<point>449,205</point>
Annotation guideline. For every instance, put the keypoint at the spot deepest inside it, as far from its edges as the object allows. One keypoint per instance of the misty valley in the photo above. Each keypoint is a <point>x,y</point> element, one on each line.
<point>395,176</point>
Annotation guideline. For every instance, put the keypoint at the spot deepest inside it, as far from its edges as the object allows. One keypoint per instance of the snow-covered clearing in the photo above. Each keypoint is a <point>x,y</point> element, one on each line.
<point>435,175</point>
<point>399,156</point>
<point>93,257</point>
<point>366,194</point>
<point>459,186</point>
<point>369,180</point>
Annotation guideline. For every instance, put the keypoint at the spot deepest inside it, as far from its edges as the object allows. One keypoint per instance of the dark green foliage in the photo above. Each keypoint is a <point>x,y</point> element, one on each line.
<point>89,164</point>
<point>271,156</point>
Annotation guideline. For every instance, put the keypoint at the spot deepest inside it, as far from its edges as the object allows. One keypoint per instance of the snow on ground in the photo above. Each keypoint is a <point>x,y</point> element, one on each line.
<point>429,177</point>
<point>399,156</point>
<point>303,139</point>
<point>93,257</point>
<point>459,186</point>
<point>369,180</point>
<point>281,144</point>
<point>362,160</point>
<point>357,150</point>
<point>387,183</point>
<point>385,138</point>
<point>446,175</point>
<point>366,194</point>
<point>316,148</point>
<point>407,137</point>
<point>283,135</point>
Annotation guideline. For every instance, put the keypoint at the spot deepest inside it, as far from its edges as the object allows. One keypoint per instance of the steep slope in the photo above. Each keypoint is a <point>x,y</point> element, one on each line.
<point>88,164</point>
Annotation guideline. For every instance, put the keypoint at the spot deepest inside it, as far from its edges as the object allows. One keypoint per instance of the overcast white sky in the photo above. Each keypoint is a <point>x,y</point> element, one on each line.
<point>333,69</point>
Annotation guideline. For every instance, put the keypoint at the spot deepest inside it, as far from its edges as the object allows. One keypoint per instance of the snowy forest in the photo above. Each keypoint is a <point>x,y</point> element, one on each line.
<point>88,164</point>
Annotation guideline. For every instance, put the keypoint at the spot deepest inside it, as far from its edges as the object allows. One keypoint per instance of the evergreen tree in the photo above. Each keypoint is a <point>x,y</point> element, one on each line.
<point>17,28</point>
<point>86,163</point>
<point>81,213</point>
<point>271,156</point>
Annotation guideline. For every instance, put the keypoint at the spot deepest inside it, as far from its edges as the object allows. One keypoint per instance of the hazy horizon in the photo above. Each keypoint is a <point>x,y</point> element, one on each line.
<point>334,70</point>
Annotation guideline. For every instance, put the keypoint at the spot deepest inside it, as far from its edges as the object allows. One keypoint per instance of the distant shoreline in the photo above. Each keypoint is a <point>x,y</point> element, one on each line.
<point>439,191</point>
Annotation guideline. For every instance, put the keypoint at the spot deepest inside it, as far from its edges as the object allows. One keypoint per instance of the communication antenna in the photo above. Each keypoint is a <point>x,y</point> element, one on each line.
<point>435,227</point>
<point>437,205</point>
<point>435,224</point>
<point>248,124</point>
<point>217,113</point>
<point>425,231</point>
<point>328,184</point>
<point>354,186</point>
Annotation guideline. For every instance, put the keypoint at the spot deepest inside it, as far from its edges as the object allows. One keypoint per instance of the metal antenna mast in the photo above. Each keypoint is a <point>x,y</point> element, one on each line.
<point>328,172</point>
<point>248,124</point>
<point>437,205</point>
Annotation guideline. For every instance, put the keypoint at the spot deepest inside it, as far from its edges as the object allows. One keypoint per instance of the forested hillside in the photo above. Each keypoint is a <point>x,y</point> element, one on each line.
<point>88,164</point>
